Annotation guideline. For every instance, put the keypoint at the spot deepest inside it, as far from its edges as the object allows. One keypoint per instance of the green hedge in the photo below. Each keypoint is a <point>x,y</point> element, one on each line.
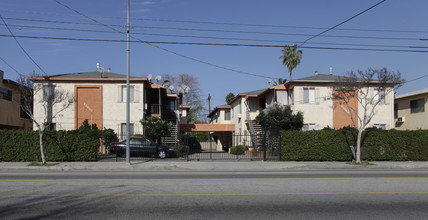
<point>333,145</point>
<point>76,145</point>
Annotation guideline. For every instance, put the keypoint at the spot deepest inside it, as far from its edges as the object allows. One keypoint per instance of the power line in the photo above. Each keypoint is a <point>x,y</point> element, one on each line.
<point>22,48</point>
<point>164,49</point>
<point>10,66</point>
<point>217,23</point>
<point>235,31</point>
<point>152,43</point>
<point>204,37</point>
<point>342,22</point>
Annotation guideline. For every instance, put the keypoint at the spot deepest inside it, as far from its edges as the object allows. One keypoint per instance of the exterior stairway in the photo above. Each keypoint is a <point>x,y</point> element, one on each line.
<point>171,139</point>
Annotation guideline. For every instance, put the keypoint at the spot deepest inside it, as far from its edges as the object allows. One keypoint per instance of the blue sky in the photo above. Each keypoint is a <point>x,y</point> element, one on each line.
<point>393,25</point>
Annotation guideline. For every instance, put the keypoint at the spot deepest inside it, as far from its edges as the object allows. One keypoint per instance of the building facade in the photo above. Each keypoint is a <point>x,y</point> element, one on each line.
<point>11,114</point>
<point>410,110</point>
<point>100,97</point>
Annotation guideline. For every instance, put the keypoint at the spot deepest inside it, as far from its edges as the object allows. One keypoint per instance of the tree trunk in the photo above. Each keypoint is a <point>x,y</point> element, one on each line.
<point>358,153</point>
<point>42,152</point>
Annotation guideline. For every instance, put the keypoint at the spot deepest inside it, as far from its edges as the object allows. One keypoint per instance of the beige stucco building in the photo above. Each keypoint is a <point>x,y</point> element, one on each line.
<point>313,96</point>
<point>410,110</point>
<point>11,115</point>
<point>100,98</point>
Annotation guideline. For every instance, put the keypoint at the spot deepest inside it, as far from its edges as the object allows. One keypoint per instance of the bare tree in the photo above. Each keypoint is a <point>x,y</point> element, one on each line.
<point>53,101</point>
<point>194,97</point>
<point>361,92</point>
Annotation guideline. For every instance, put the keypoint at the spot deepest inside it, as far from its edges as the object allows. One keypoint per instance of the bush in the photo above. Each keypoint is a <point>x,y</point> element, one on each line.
<point>23,145</point>
<point>237,150</point>
<point>333,145</point>
<point>181,150</point>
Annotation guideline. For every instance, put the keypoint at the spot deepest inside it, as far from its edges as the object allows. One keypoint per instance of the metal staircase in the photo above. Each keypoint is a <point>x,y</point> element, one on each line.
<point>171,139</point>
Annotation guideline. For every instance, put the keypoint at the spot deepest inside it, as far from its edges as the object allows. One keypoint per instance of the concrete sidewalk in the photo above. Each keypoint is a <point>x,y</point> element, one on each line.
<point>164,165</point>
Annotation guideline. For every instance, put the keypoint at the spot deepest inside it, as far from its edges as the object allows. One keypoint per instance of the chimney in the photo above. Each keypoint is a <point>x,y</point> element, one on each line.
<point>316,72</point>
<point>331,70</point>
<point>1,77</point>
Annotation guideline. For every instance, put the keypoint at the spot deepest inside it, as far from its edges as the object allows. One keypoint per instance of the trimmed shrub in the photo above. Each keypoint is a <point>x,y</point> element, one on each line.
<point>237,150</point>
<point>76,145</point>
<point>181,150</point>
<point>333,145</point>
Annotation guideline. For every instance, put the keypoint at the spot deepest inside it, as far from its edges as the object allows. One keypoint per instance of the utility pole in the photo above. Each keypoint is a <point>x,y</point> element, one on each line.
<point>128,96</point>
<point>209,103</point>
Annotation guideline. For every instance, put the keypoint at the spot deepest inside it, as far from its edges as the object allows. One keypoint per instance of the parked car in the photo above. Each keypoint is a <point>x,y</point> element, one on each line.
<point>142,147</point>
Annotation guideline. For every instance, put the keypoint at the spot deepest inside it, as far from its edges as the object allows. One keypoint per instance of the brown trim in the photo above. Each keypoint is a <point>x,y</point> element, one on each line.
<point>142,79</point>
<point>207,127</point>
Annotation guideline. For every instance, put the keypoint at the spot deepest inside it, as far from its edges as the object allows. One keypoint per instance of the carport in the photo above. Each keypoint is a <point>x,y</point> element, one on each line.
<point>222,133</point>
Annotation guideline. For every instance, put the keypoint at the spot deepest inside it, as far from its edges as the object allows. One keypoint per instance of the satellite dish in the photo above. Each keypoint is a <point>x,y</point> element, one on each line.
<point>171,87</point>
<point>150,77</point>
<point>179,89</point>
<point>186,90</point>
<point>166,83</point>
<point>158,78</point>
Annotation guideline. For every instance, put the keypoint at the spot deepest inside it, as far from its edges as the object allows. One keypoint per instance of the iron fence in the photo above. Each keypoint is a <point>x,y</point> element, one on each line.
<point>265,146</point>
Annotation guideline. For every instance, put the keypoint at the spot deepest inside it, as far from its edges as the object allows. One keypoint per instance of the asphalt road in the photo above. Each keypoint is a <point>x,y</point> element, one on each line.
<point>317,194</point>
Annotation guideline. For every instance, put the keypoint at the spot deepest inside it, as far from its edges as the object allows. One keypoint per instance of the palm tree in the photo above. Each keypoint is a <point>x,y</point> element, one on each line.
<point>291,57</point>
<point>280,81</point>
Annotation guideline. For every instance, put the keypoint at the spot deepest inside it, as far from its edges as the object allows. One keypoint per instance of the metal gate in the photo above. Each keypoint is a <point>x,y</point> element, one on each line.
<point>232,147</point>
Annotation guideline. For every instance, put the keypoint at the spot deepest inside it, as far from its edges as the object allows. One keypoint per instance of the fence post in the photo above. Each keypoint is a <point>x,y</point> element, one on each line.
<point>264,146</point>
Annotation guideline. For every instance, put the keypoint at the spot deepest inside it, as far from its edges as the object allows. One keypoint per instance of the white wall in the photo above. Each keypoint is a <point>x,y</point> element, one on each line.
<point>320,112</point>
<point>114,110</point>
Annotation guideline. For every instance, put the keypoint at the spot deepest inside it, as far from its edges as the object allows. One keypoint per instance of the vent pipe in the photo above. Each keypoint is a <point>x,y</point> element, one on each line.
<point>331,70</point>
<point>316,72</point>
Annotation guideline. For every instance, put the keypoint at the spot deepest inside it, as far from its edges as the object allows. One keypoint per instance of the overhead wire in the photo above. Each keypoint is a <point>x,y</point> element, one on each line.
<point>343,22</point>
<point>10,66</point>
<point>161,48</point>
<point>22,48</point>
<point>234,31</point>
<point>208,44</point>
<point>217,23</point>
<point>20,27</point>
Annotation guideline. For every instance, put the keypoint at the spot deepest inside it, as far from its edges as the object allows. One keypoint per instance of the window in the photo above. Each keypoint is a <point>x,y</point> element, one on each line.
<point>417,105</point>
<point>380,126</point>
<point>309,95</point>
<point>227,115</point>
<point>378,96</point>
<point>396,110</point>
<point>309,127</point>
<point>123,130</point>
<point>48,93</point>
<point>5,94</point>
<point>50,126</point>
<point>131,92</point>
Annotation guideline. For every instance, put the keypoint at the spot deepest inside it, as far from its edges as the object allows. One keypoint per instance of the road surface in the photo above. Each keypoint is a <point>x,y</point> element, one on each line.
<point>297,194</point>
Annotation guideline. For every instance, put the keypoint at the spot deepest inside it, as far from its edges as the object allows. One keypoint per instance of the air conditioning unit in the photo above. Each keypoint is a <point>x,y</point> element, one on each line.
<point>400,119</point>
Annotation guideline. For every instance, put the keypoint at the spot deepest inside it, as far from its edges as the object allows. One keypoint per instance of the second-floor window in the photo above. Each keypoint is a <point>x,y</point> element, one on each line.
<point>309,95</point>
<point>417,105</point>
<point>396,110</point>
<point>48,92</point>
<point>5,94</point>
<point>227,115</point>
<point>378,96</point>
<point>131,92</point>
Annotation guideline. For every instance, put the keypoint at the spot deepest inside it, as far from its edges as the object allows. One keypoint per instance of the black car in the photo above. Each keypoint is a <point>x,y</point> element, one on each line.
<point>142,147</point>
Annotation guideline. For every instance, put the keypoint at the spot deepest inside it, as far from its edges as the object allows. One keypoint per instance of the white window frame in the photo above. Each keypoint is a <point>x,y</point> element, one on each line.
<point>309,126</point>
<point>131,92</point>
<point>376,96</point>
<point>380,126</point>
<point>309,95</point>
